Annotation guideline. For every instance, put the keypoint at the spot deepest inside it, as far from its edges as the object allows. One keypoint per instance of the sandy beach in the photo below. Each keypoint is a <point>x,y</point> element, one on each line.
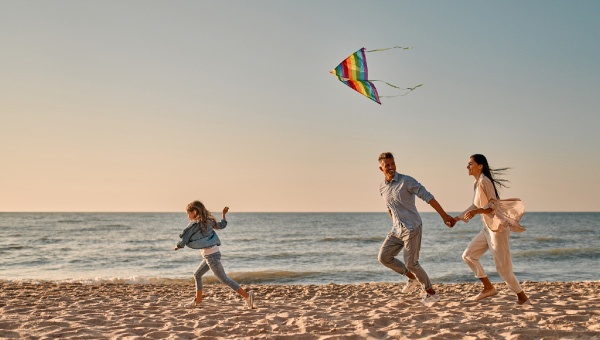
<point>569,310</point>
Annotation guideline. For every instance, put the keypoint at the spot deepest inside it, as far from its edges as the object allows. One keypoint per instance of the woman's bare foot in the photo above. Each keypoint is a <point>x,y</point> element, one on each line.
<point>523,299</point>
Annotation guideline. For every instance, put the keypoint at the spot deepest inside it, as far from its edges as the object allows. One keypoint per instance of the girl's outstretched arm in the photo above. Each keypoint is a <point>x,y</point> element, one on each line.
<point>185,236</point>
<point>225,210</point>
<point>223,223</point>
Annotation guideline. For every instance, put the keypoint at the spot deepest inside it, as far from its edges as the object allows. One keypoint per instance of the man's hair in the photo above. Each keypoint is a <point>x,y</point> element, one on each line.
<point>385,155</point>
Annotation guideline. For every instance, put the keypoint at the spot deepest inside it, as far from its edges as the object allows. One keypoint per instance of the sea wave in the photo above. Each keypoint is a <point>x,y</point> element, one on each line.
<point>105,227</point>
<point>12,247</point>
<point>540,239</point>
<point>71,221</point>
<point>560,252</point>
<point>543,239</point>
<point>352,238</point>
<point>455,278</point>
<point>257,277</point>
<point>465,231</point>
<point>104,280</point>
<point>272,276</point>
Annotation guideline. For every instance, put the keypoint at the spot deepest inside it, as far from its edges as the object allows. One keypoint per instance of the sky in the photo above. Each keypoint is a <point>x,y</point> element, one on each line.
<point>144,106</point>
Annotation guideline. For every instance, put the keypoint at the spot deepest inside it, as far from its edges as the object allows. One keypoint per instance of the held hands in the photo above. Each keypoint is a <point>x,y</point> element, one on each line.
<point>471,213</point>
<point>449,221</point>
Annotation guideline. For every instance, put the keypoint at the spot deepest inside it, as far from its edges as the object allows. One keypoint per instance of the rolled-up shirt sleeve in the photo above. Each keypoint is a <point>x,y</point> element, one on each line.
<point>487,188</point>
<point>420,191</point>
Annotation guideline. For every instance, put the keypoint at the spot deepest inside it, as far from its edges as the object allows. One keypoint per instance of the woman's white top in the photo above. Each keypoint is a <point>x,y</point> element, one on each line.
<point>505,213</point>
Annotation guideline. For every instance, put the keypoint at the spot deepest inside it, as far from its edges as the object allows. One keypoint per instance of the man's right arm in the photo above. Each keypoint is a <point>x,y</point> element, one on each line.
<point>448,220</point>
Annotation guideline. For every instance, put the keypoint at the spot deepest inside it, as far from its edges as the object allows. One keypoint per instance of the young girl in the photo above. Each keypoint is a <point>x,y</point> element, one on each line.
<point>200,234</point>
<point>499,218</point>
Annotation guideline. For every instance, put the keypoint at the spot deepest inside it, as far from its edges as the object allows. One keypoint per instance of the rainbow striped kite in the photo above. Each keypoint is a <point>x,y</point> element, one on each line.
<point>353,72</point>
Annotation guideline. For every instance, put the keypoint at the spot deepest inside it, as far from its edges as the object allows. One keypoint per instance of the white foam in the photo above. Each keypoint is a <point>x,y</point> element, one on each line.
<point>105,280</point>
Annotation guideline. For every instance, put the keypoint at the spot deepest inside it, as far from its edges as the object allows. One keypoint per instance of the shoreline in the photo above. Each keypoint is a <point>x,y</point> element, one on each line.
<point>211,280</point>
<point>560,310</point>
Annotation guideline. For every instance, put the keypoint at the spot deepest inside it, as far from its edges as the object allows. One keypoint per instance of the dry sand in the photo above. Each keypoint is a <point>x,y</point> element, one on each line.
<point>568,310</point>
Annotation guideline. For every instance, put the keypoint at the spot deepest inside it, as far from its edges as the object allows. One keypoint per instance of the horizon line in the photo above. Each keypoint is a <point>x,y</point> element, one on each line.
<point>266,212</point>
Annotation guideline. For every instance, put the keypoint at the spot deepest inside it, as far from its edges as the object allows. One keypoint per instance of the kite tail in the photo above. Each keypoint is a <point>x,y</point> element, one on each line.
<point>410,89</point>
<point>389,48</point>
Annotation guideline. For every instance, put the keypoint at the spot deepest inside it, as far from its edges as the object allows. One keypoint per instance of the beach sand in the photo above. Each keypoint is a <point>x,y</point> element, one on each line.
<point>569,310</point>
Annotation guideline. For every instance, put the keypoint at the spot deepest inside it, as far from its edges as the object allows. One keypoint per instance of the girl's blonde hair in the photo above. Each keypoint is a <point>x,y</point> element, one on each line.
<point>203,216</point>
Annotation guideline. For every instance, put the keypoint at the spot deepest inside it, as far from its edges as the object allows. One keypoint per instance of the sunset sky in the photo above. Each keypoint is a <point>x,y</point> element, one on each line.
<point>147,105</point>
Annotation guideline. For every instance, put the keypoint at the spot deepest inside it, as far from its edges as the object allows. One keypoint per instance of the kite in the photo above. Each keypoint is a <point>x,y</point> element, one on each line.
<point>353,72</point>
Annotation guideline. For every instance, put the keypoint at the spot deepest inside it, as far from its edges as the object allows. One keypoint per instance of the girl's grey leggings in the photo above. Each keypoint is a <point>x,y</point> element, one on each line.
<point>213,262</point>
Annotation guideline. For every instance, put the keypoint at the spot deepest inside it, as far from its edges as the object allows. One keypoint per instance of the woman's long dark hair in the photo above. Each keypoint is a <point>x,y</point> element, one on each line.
<point>490,173</point>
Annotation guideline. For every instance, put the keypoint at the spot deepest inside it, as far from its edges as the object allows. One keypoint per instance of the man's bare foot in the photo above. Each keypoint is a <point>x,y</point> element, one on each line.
<point>486,293</point>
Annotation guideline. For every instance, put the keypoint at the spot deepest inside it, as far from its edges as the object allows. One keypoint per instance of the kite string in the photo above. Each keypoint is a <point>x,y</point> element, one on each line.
<point>389,48</point>
<point>410,89</point>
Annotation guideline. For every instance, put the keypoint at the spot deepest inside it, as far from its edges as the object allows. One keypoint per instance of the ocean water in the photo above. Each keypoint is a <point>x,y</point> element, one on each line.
<point>280,248</point>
